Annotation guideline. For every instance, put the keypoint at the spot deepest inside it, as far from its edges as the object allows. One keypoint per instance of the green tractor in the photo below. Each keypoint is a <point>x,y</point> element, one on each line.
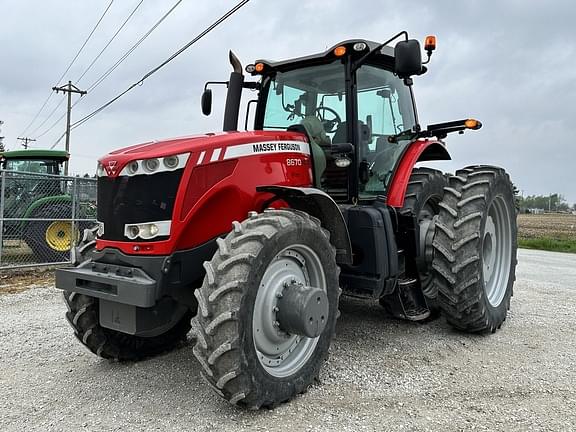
<point>37,203</point>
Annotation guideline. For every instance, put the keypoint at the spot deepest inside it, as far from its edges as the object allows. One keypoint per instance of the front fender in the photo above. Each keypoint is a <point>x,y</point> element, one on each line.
<point>319,204</point>
<point>418,151</point>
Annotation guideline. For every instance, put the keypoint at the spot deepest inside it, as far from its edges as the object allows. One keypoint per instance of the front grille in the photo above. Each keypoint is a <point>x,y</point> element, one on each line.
<point>142,198</point>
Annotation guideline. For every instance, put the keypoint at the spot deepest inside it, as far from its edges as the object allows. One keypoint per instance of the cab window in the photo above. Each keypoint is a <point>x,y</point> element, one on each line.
<point>310,92</point>
<point>37,166</point>
<point>384,109</point>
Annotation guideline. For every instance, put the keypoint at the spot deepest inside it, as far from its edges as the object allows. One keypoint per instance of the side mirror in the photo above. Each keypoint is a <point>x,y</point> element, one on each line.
<point>206,102</point>
<point>408,58</point>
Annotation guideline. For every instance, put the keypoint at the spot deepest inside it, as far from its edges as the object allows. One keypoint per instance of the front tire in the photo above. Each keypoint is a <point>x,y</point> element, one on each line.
<point>83,315</point>
<point>246,356</point>
<point>475,248</point>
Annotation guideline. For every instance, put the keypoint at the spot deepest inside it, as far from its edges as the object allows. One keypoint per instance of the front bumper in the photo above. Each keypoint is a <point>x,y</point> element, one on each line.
<point>139,295</point>
<point>110,282</point>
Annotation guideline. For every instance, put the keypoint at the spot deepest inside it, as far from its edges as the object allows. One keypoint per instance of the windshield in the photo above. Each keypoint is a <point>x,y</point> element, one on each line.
<point>39,166</point>
<point>315,91</point>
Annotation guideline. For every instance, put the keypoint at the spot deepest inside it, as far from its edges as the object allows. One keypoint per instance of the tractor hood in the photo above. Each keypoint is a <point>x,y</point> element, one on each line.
<point>212,146</point>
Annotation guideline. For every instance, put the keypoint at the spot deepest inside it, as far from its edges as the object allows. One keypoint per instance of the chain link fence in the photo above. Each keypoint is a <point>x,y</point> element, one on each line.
<point>42,217</point>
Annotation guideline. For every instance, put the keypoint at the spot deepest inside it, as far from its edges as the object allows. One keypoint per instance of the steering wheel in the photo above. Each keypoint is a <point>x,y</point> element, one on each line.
<point>329,125</point>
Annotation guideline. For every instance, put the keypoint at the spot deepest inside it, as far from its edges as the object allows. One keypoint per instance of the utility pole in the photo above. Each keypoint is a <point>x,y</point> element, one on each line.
<point>68,88</point>
<point>25,141</point>
<point>1,137</point>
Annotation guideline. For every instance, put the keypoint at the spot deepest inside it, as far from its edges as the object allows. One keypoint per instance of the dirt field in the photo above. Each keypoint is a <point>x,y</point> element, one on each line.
<point>557,226</point>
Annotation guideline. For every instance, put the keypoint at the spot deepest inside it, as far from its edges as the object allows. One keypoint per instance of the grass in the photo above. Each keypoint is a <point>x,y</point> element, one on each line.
<point>548,244</point>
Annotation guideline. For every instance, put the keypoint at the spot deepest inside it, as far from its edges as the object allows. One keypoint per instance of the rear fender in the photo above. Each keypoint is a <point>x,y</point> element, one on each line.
<point>318,204</point>
<point>418,151</point>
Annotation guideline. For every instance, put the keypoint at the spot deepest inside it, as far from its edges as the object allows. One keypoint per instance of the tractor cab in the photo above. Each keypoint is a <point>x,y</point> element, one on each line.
<point>40,162</point>
<point>34,161</point>
<point>355,104</point>
<point>348,110</point>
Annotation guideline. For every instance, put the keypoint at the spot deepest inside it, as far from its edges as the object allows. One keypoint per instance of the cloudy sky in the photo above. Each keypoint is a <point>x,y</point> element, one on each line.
<point>509,63</point>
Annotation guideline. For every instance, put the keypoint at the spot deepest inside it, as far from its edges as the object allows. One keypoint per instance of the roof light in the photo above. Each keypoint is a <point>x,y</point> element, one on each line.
<point>250,68</point>
<point>359,46</point>
<point>259,67</point>
<point>472,124</point>
<point>430,43</point>
<point>340,51</point>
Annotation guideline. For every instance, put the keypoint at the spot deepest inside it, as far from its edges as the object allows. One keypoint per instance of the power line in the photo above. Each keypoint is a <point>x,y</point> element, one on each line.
<point>48,117</point>
<point>84,73</point>
<point>110,41</point>
<point>69,66</point>
<point>53,125</point>
<point>105,75</point>
<point>157,68</point>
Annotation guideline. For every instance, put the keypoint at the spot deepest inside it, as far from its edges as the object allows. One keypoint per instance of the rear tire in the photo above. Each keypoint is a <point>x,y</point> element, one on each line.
<point>83,316</point>
<point>423,196</point>
<point>52,241</point>
<point>475,248</point>
<point>236,358</point>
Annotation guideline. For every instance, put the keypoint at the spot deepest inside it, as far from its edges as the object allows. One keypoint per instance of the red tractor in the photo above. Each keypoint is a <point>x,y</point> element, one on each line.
<point>250,237</point>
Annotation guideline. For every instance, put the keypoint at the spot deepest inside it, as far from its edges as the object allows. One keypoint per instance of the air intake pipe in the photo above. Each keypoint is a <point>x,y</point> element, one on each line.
<point>235,86</point>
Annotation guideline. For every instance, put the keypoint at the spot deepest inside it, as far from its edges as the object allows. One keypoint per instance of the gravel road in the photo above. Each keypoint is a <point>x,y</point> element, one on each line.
<point>382,374</point>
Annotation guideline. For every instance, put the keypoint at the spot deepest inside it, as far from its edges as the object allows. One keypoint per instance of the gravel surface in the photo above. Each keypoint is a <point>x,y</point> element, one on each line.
<point>382,374</point>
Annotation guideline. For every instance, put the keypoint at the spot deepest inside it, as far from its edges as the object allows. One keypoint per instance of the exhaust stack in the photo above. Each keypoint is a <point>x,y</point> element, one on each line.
<point>234,95</point>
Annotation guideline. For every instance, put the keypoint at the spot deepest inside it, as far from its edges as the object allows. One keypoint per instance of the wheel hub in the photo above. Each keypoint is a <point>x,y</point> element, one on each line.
<point>303,310</point>
<point>284,337</point>
<point>59,235</point>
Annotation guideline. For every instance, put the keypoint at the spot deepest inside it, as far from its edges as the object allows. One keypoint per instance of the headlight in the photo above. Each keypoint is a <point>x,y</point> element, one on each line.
<point>100,171</point>
<point>155,165</point>
<point>171,162</point>
<point>151,165</point>
<point>148,230</point>
<point>132,167</point>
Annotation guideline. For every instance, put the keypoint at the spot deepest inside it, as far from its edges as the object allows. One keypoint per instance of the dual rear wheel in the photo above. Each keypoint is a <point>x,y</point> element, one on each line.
<point>467,224</point>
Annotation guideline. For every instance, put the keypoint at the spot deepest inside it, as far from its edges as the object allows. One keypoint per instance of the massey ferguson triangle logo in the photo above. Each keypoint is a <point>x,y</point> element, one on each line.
<point>111,168</point>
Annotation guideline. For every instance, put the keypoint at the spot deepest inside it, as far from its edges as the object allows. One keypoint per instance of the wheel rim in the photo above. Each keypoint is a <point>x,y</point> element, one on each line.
<point>282,354</point>
<point>59,236</point>
<point>496,251</point>
<point>425,221</point>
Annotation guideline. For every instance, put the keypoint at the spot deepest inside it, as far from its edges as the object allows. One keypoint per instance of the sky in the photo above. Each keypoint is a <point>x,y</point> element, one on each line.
<point>509,63</point>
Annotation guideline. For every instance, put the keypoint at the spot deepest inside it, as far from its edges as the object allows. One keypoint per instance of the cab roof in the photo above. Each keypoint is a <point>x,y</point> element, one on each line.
<point>386,51</point>
<point>36,154</point>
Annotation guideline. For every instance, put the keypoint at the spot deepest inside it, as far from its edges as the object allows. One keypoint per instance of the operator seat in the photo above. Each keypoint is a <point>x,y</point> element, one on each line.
<point>317,135</point>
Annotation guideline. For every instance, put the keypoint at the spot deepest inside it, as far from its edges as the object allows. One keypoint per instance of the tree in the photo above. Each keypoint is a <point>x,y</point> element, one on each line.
<point>552,202</point>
